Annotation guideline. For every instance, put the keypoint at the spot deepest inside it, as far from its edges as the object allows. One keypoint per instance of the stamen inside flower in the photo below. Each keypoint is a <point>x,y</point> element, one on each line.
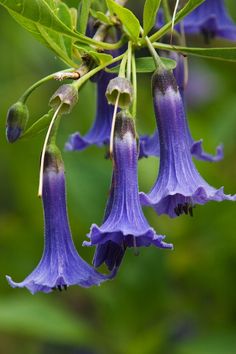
<point>186,208</point>
<point>60,287</point>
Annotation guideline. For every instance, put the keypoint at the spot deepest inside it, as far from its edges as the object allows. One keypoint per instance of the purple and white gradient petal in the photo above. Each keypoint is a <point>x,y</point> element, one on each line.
<point>60,266</point>
<point>125,224</point>
<point>150,145</point>
<point>179,186</point>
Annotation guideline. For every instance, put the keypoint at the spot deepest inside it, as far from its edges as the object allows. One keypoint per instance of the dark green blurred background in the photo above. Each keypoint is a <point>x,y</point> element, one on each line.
<point>180,302</point>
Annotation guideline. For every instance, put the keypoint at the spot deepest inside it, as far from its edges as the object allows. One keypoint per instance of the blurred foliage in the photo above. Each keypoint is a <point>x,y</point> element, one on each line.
<point>180,302</point>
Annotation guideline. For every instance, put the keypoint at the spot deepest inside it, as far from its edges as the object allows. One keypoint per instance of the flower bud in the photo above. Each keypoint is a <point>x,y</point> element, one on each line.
<point>122,87</point>
<point>66,96</point>
<point>17,117</point>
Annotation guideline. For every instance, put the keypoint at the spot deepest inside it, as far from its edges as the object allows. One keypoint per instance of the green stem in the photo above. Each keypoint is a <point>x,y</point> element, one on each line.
<point>123,65</point>
<point>154,54</point>
<point>134,82</point>
<point>53,134</point>
<point>82,80</point>
<point>104,45</point>
<point>28,92</point>
<point>129,64</point>
<point>170,47</point>
<point>165,5</point>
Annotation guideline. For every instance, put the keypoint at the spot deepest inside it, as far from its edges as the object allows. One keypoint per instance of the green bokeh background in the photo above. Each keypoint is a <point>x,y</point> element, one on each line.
<point>179,302</point>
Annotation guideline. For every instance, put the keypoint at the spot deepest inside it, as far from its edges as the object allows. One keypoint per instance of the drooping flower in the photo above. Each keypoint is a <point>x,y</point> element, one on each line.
<point>211,19</point>
<point>109,252</point>
<point>125,224</point>
<point>60,265</point>
<point>179,186</point>
<point>150,145</point>
<point>99,134</point>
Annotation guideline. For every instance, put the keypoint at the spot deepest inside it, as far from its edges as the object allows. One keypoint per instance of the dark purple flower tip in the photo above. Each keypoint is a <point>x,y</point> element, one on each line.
<point>13,134</point>
<point>99,134</point>
<point>17,118</point>
<point>60,266</point>
<point>179,186</point>
<point>125,224</point>
<point>162,80</point>
<point>198,152</point>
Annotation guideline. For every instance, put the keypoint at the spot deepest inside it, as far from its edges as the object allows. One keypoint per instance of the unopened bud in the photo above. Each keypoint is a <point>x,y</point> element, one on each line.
<point>66,96</point>
<point>119,86</point>
<point>17,117</point>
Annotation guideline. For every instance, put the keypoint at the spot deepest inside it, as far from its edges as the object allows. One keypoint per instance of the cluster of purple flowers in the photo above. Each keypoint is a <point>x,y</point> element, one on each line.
<point>178,187</point>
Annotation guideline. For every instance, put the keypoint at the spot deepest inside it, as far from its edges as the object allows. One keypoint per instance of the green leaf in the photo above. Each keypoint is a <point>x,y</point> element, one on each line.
<point>74,17</point>
<point>225,53</point>
<point>52,44</point>
<point>84,9</point>
<point>189,7</point>
<point>64,13</point>
<point>61,45</point>
<point>39,126</point>
<point>101,17</point>
<point>129,20</point>
<point>39,12</point>
<point>101,58</point>
<point>147,65</point>
<point>149,14</point>
<point>42,319</point>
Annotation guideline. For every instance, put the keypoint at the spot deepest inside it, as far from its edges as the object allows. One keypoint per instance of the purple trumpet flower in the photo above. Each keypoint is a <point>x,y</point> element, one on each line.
<point>150,145</point>
<point>125,224</point>
<point>179,186</point>
<point>212,20</point>
<point>60,265</point>
<point>109,252</point>
<point>99,134</point>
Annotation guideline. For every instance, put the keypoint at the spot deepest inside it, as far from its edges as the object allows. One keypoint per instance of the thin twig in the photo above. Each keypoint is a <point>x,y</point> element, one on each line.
<point>40,189</point>
<point>113,124</point>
